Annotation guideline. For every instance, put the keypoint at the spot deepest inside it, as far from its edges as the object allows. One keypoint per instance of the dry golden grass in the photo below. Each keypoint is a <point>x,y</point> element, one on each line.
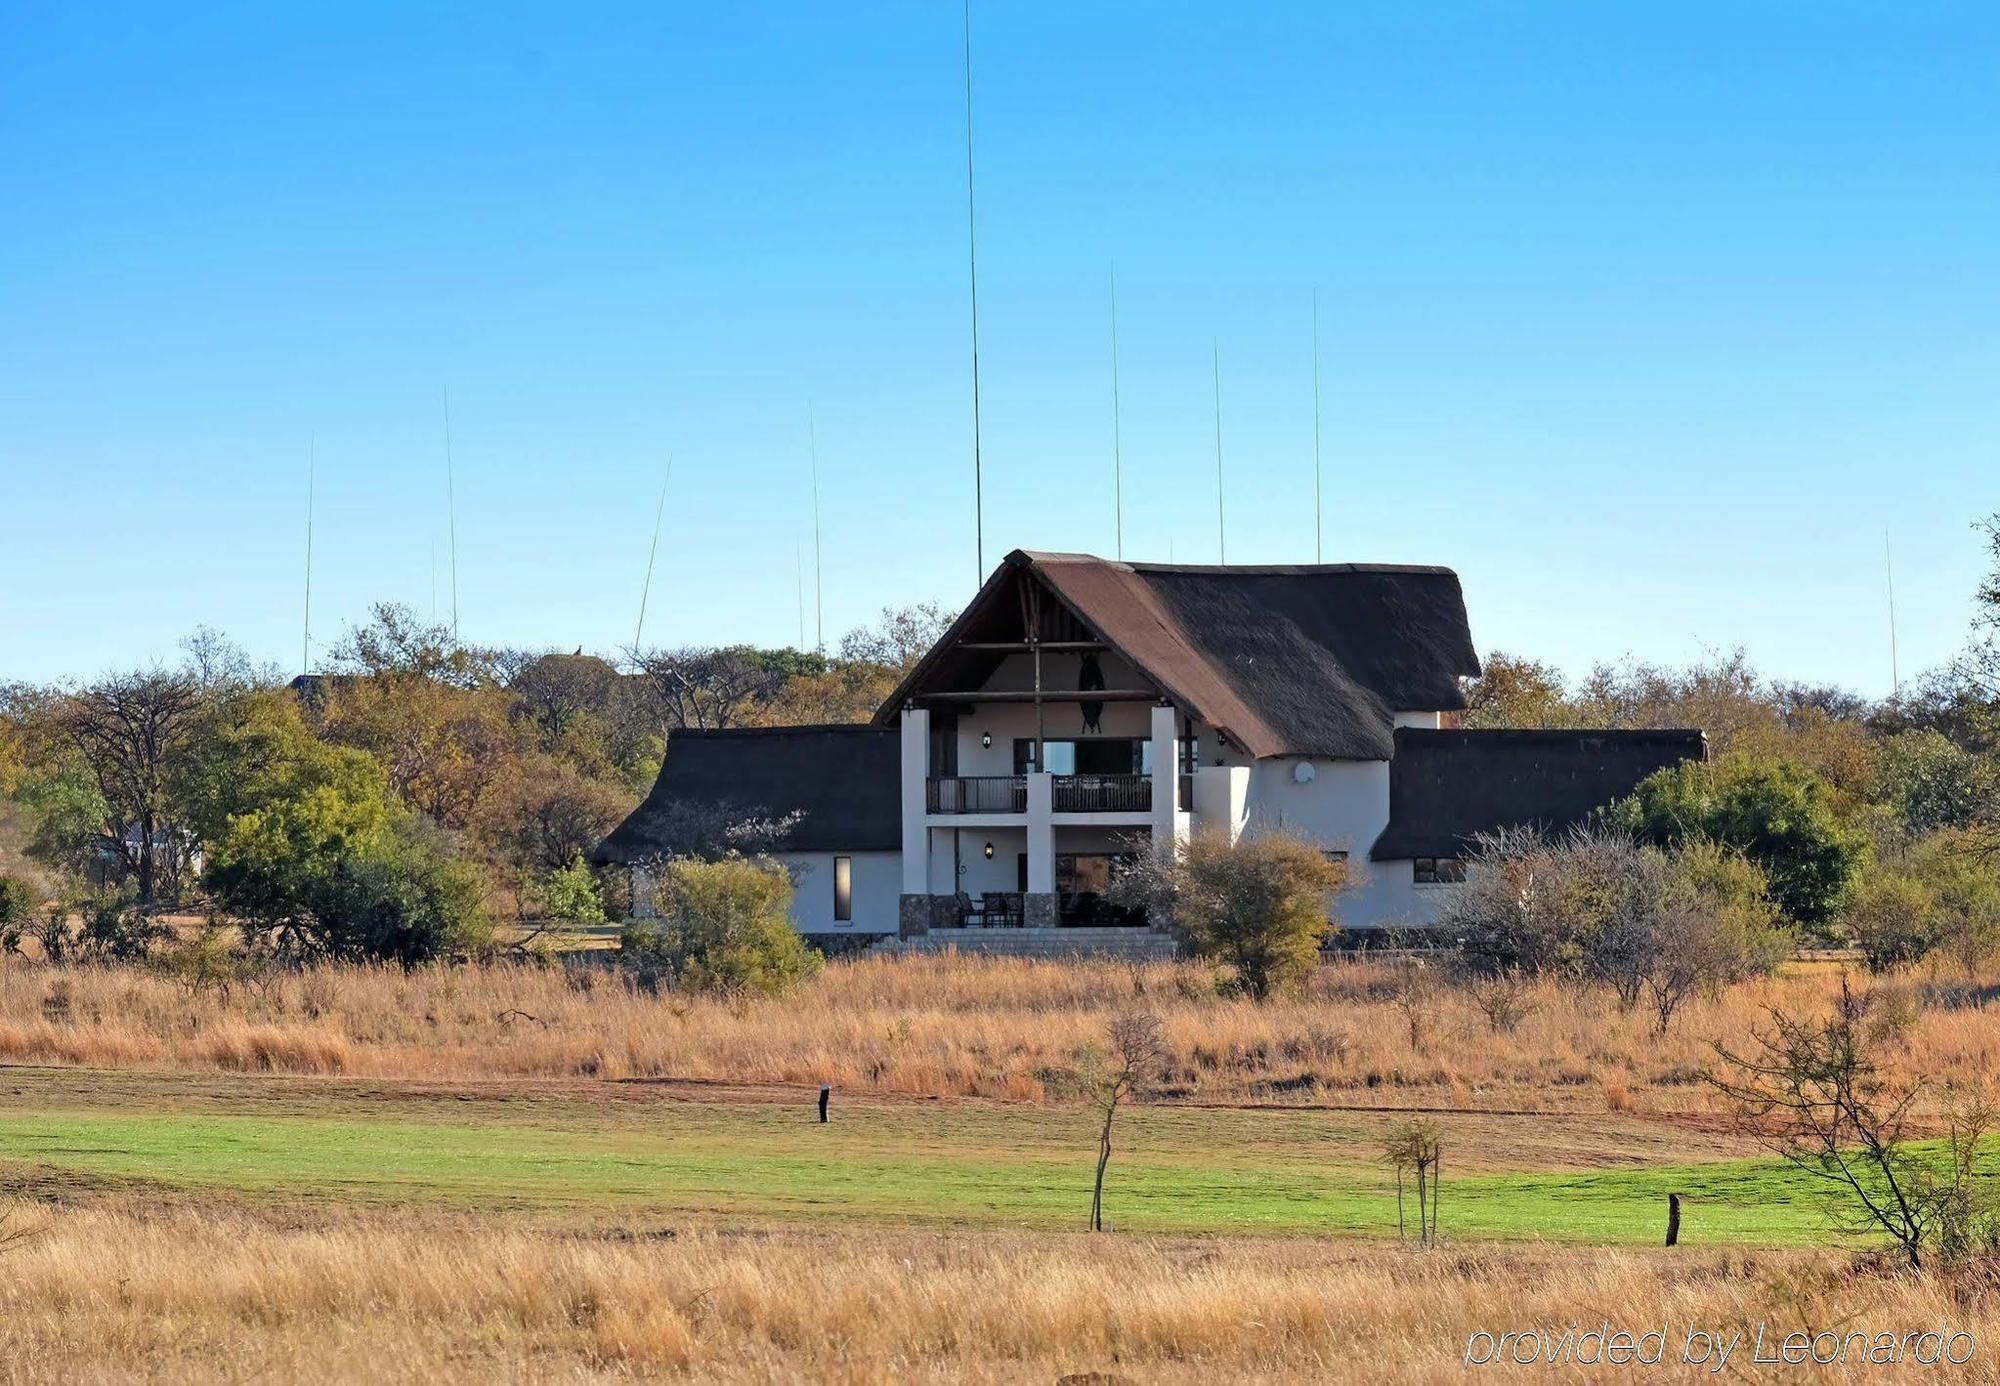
<point>944,1026</point>
<point>121,1290</point>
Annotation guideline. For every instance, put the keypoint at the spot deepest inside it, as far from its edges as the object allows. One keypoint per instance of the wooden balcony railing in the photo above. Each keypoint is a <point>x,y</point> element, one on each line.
<point>1009,794</point>
<point>978,794</point>
<point>1103,793</point>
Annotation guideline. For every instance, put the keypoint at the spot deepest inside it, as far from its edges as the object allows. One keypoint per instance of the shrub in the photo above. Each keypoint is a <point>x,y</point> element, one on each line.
<point>1775,812</point>
<point>16,903</point>
<point>1259,903</point>
<point>722,926</point>
<point>1652,926</point>
<point>1925,897</point>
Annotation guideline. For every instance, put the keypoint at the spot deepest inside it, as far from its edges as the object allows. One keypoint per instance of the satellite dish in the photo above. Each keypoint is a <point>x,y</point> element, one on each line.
<point>1304,773</point>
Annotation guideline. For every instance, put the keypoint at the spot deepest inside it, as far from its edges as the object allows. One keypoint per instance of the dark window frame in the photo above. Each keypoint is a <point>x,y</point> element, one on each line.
<point>1438,870</point>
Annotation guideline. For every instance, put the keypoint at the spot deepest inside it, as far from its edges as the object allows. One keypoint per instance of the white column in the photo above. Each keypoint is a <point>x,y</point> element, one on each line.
<point>916,774</point>
<point>1041,834</point>
<point>1166,775</point>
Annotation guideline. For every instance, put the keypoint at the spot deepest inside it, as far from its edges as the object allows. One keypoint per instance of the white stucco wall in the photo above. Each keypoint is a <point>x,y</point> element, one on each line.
<point>876,884</point>
<point>1344,806</point>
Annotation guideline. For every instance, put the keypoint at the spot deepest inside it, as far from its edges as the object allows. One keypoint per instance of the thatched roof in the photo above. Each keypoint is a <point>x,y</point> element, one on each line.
<point>844,781</point>
<point>1300,659</point>
<point>1447,787</point>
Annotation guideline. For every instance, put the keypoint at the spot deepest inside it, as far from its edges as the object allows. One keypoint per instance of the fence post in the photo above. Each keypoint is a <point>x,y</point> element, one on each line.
<point>1673,1219</point>
<point>825,1092</point>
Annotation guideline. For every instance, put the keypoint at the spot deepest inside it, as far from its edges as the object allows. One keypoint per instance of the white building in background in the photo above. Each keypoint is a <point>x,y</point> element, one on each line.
<point>1081,709</point>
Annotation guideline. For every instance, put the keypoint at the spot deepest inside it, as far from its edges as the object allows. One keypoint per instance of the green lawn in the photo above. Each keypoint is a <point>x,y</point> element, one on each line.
<point>1177,1169</point>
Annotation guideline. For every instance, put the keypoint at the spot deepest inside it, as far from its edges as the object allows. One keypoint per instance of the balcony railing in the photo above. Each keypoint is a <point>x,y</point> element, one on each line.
<point>979,794</point>
<point>1103,793</point>
<point>1009,794</point>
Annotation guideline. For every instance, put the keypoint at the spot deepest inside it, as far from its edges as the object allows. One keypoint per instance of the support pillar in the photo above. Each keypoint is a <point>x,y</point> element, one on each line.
<point>1041,833</point>
<point>916,727</point>
<point>1166,778</point>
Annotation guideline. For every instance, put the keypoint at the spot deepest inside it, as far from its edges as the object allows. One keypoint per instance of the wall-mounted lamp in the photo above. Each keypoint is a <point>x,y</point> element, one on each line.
<point>986,740</point>
<point>989,851</point>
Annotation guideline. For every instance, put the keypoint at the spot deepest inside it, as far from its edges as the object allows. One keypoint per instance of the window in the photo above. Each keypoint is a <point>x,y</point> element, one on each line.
<point>843,890</point>
<point>1336,856</point>
<point>1438,870</point>
<point>1093,755</point>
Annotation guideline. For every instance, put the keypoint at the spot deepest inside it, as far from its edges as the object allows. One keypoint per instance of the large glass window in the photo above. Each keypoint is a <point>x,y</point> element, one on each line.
<point>1094,755</point>
<point>843,890</point>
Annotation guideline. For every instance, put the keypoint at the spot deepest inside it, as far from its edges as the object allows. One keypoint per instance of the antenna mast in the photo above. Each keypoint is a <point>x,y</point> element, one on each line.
<point>972,264</point>
<point>1889,567</point>
<point>1117,441</point>
<point>645,591</point>
<point>1221,535</point>
<point>451,510</point>
<point>1318,531</point>
<point>819,604</point>
<point>305,644</point>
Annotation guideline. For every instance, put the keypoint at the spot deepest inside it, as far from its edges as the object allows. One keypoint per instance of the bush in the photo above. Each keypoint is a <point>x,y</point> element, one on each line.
<point>407,899</point>
<point>1775,812</point>
<point>1652,926</point>
<point>1259,904</point>
<point>16,902</point>
<point>1925,897</point>
<point>723,926</point>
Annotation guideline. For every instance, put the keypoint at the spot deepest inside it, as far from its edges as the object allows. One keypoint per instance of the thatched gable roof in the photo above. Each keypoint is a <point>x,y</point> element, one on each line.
<point>844,781</point>
<point>1447,787</point>
<point>1303,659</point>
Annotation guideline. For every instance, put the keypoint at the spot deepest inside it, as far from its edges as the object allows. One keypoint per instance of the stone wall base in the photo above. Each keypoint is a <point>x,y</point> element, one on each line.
<point>1125,945</point>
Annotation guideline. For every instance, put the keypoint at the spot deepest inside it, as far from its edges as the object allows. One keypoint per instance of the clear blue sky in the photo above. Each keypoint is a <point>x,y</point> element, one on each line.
<point>1647,320</point>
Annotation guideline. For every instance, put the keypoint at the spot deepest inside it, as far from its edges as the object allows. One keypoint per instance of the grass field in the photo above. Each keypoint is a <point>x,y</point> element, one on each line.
<point>761,1154</point>
<point>508,1172</point>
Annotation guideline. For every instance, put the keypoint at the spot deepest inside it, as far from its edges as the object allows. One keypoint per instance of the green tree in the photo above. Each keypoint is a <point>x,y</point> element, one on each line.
<point>569,896</point>
<point>307,844</point>
<point>722,926</point>
<point>1928,782</point>
<point>1775,812</point>
<point>1936,894</point>
<point>1261,903</point>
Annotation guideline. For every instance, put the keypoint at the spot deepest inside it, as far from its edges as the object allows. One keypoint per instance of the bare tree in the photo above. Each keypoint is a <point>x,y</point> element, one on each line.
<point>1505,999</point>
<point>1137,1053</point>
<point>1815,1092</point>
<point>707,688</point>
<point>1417,1147</point>
<point>900,638</point>
<point>129,733</point>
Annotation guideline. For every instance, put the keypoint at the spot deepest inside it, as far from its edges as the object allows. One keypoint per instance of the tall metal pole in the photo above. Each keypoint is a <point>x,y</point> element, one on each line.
<point>1889,566</point>
<point>451,510</point>
<point>1318,531</point>
<point>1221,533</point>
<point>1117,439</point>
<point>819,602</point>
<point>972,264</point>
<point>646,588</point>
<point>305,646</point>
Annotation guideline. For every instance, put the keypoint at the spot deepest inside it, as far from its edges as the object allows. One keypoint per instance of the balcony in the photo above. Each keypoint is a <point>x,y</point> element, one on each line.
<point>978,794</point>
<point>1103,793</point>
<point>1009,794</point>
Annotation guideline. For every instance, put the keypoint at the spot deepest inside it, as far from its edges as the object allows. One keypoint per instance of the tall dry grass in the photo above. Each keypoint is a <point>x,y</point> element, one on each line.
<point>121,1291</point>
<point>942,1026</point>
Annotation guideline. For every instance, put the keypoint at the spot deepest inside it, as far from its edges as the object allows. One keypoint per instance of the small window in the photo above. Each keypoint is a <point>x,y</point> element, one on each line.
<point>1335,855</point>
<point>1438,870</point>
<point>843,890</point>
